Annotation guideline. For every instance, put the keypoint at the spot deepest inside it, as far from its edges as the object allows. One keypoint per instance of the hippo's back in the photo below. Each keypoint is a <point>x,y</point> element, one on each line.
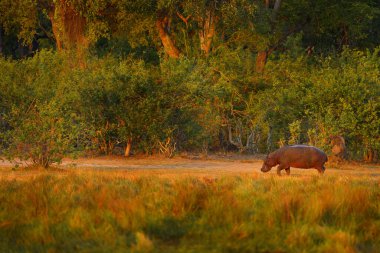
<point>301,156</point>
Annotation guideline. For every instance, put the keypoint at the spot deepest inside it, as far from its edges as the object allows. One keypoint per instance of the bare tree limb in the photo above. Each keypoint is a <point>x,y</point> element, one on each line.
<point>277,5</point>
<point>276,8</point>
<point>163,26</point>
<point>238,145</point>
<point>185,20</point>
<point>267,3</point>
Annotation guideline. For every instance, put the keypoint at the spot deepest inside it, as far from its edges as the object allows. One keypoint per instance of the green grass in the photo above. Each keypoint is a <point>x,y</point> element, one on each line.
<point>105,212</point>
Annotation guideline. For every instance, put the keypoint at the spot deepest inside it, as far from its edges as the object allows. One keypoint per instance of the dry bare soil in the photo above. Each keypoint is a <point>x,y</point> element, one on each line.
<point>211,166</point>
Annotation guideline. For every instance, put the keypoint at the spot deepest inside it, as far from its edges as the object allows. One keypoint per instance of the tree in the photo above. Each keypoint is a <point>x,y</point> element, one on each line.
<point>163,23</point>
<point>174,24</point>
<point>74,23</point>
<point>1,41</point>
<point>262,55</point>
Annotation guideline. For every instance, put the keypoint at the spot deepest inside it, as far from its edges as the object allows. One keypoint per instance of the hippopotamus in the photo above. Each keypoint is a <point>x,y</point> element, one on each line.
<point>297,156</point>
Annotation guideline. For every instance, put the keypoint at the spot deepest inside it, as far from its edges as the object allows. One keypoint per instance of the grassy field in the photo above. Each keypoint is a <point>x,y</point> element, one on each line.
<point>122,211</point>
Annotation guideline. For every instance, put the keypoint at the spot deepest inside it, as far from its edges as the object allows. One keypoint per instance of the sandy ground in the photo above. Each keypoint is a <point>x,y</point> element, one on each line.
<point>213,166</point>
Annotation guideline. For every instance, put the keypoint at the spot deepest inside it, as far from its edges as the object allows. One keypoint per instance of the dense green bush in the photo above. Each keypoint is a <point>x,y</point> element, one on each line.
<point>50,108</point>
<point>37,123</point>
<point>334,96</point>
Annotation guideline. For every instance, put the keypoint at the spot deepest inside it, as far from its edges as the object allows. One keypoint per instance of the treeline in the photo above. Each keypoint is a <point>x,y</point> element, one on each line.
<point>50,109</point>
<point>169,76</point>
<point>186,28</point>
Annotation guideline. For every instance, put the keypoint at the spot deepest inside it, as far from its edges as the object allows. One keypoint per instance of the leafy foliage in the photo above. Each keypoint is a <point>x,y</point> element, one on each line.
<point>211,104</point>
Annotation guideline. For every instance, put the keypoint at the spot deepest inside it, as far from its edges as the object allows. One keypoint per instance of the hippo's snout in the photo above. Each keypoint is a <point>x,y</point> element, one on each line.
<point>265,168</point>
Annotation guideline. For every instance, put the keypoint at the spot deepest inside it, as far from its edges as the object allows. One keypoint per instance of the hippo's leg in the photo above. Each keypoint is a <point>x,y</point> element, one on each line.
<point>287,171</point>
<point>279,169</point>
<point>320,169</point>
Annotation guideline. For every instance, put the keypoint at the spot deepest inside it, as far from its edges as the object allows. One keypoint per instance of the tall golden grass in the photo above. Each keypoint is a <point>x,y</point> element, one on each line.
<point>109,212</point>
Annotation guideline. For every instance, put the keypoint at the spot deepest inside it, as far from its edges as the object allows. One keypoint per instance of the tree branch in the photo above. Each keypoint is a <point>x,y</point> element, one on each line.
<point>185,20</point>
<point>277,5</point>
<point>238,145</point>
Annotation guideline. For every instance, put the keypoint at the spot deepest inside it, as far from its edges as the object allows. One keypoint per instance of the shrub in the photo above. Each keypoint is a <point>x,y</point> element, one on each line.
<point>38,125</point>
<point>50,108</point>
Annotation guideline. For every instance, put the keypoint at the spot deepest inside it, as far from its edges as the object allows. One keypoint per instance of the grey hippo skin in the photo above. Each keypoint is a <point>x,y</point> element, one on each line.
<point>297,156</point>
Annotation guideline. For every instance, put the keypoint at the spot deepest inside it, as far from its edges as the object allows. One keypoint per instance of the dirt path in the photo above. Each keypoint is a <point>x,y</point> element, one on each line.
<point>189,166</point>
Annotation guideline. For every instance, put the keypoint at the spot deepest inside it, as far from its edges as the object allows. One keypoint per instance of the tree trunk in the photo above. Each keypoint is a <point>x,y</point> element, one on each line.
<point>261,60</point>
<point>74,28</point>
<point>68,27</point>
<point>163,27</point>
<point>262,56</point>
<point>55,29</point>
<point>1,41</point>
<point>277,5</point>
<point>345,37</point>
<point>128,148</point>
<point>370,155</point>
<point>207,33</point>
<point>269,140</point>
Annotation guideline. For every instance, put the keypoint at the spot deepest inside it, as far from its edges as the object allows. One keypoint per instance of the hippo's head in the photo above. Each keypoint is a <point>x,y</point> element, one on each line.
<point>269,162</point>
